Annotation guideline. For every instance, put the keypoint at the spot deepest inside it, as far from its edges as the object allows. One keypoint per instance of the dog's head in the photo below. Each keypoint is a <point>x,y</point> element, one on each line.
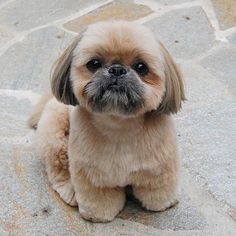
<point>118,68</point>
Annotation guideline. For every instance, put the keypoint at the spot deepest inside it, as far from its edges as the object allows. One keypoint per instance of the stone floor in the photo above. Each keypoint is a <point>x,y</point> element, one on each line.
<point>201,34</point>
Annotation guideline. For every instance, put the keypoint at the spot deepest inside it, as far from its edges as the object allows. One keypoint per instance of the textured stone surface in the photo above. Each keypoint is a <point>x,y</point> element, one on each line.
<point>222,64</point>
<point>29,209</point>
<point>232,38</point>
<point>5,35</point>
<point>188,35</point>
<point>172,2</point>
<point>207,137</point>
<point>27,64</point>
<point>226,13</point>
<point>184,216</point>
<point>16,14</point>
<point>126,10</point>
<point>14,112</point>
<point>202,88</point>
<point>3,1</point>
<point>207,133</point>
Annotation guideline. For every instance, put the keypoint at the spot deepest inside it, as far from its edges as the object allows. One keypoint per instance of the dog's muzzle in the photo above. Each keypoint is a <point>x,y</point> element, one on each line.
<point>115,91</point>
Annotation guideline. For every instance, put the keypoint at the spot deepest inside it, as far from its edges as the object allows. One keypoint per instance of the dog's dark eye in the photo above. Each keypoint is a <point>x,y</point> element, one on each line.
<point>94,64</point>
<point>141,68</point>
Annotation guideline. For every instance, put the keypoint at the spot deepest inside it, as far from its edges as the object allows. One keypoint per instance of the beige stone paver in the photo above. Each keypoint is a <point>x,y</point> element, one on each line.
<point>125,10</point>
<point>226,13</point>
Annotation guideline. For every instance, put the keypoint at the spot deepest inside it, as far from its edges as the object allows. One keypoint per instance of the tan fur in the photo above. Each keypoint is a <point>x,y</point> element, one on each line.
<point>52,146</point>
<point>174,95</point>
<point>60,76</point>
<point>38,109</point>
<point>91,157</point>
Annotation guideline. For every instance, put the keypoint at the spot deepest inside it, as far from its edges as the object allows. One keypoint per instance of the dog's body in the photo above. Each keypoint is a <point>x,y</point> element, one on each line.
<point>121,134</point>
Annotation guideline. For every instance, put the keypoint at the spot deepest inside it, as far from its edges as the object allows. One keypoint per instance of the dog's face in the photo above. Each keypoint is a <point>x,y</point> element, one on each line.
<point>118,68</point>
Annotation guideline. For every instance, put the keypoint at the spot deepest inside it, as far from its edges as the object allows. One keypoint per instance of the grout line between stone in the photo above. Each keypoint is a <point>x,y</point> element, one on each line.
<point>160,10</point>
<point>85,11</point>
<point>57,23</point>
<point>157,7</point>
<point>209,10</point>
<point>60,26</point>
<point>204,54</point>
<point>198,58</point>
<point>226,33</point>
<point>150,17</point>
<point>150,3</point>
<point>6,46</point>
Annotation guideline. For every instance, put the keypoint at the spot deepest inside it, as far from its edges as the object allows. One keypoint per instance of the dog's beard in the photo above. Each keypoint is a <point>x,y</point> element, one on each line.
<point>116,96</point>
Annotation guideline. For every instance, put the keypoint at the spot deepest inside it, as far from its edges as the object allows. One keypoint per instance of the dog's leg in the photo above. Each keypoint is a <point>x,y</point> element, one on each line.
<point>96,204</point>
<point>157,193</point>
<point>52,145</point>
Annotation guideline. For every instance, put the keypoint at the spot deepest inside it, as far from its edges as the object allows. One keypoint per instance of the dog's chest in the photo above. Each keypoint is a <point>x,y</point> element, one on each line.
<point>113,160</point>
<point>113,163</point>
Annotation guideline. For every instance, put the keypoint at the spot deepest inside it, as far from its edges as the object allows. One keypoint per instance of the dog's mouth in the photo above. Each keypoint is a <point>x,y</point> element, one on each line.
<point>123,97</point>
<point>116,88</point>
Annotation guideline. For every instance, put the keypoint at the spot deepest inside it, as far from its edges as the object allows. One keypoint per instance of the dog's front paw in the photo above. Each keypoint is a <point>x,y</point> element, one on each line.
<point>66,191</point>
<point>102,211</point>
<point>101,205</point>
<point>161,206</point>
<point>101,215</point>
<point>155,199</point>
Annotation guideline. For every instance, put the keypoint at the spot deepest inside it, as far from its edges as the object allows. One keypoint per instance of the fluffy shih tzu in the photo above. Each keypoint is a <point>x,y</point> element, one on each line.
<point>108,122</point>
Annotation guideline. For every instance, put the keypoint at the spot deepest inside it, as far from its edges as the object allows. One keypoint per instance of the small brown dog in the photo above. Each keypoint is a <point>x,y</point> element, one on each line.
<point>109,123</point>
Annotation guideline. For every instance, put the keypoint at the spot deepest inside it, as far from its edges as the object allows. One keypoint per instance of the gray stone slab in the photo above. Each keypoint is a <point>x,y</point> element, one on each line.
<point>5,35</point>
<point>4,1</point>
<point>207,139</point>
<point>222,64</point>
<point>232,38</point>
<point>13,115</point>
<point>27,64</point>
<point>16,14</point>
<point>173,2</point>
<point>183,216</point>
<point>28,205</point>
<point>186,33</point>
<point>207,131</point>
<point>202,88</point>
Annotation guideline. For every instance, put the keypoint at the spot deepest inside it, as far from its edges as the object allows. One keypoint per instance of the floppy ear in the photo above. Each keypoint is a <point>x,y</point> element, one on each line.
<point>60,78</point>
<point>174,94</point>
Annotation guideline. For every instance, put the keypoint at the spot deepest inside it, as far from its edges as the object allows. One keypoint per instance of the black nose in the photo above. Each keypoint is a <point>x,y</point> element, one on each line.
<point>117,70</point>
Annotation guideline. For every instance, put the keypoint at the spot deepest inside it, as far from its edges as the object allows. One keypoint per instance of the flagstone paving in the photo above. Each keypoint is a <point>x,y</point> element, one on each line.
<point>201,35</point>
